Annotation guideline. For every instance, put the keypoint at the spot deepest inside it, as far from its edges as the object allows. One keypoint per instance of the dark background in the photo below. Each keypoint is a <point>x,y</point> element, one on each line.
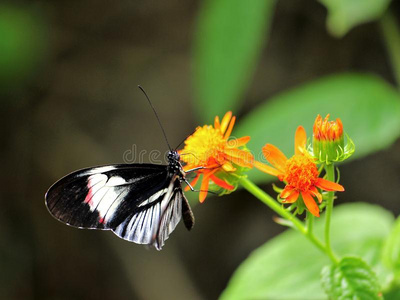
<point>77,105</point>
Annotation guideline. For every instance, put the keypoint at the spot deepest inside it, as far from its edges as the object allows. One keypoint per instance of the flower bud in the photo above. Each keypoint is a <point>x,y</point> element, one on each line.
<point>328,141</point>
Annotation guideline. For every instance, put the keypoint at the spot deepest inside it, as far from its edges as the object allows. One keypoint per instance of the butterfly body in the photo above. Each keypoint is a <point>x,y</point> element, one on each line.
<point>141,203</point>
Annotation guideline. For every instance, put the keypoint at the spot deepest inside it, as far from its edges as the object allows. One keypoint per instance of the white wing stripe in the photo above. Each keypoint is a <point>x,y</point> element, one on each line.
<point>116,181</point>
<point>99,170</point>
<point>154,197</point>
<point>154,224</point>
<point>104,195</point>
<point>94,186</point>
<point>113,207</point>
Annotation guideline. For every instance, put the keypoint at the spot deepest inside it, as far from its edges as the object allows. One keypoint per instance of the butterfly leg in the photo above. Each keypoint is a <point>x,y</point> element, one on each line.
<point>195,169</point>
<point>194,190</point>
<point>188,184</point>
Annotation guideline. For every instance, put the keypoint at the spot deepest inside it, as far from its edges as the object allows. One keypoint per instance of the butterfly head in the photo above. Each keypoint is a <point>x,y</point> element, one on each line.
<point>173,159</point>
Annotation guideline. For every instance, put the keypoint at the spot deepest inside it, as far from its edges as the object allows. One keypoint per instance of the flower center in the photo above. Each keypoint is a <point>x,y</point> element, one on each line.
<point>301,172</point>
<point>205,144</point>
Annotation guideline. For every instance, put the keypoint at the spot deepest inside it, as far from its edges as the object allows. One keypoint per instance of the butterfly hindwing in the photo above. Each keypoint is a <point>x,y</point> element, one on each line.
<point>103,197</point>
<point>170,216</point>
<point>187,214</point>
<point>153,222</point>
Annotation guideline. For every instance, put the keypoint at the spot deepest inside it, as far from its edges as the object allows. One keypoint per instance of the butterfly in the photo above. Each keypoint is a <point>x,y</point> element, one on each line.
<point>141,203</point>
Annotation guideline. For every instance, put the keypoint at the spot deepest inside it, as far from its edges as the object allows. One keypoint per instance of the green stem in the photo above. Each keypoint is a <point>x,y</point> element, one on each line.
<point>391,35</point>
<point>271,202</point>
<point>310,222</point>
<point>330,172</point>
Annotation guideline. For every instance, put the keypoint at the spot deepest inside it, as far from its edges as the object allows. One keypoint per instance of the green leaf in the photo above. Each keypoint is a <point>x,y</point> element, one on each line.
<point>289,266</point>
<point>368,107</point>
<point>391,259</point>
<point>391,249</point>
<point>343,15</point>
<point>228,41</point>
<point>392,294</point>
<point>391,37</point>
<point>352,278</point>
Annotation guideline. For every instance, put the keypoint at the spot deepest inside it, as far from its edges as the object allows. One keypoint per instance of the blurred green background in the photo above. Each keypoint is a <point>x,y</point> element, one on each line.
<point>69,72</point>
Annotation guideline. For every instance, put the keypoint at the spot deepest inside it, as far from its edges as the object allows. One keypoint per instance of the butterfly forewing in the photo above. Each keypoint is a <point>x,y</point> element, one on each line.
<point>103,197</point>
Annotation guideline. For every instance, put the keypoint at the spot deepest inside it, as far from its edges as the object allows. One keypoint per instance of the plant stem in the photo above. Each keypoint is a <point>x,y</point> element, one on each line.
<point>269,201</point>
<point>310,222</point>
<point>391,35</point>
<point>330,172</point>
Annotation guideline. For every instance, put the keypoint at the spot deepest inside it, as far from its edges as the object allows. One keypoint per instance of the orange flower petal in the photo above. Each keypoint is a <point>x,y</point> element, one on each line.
<point>187,167</point>
<point>225,121</point>
<point>204,189</point>
<point>221,183</point>
<point>310,203</point>
<point>324,127</point>
<point>217,124</point>
<point>193,182</point>
<point>339,129</point>
<point>242,163</point>
<point>228,167</point>
<point>275,156</point>
<point>237,153</point>
<point>317,126</point>
<point>267,169</point>
<point>315,193</point>
<point>287,191</point>
<point>292,198</point>
<point>234,143</point>
<point>230,127</point>
<point>300,140</point>
<point>328,185</point>
<point>211,166</point>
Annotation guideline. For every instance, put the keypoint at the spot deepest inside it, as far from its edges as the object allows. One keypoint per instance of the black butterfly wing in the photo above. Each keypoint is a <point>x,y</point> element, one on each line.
<point>103,197</point>
<point>154,222</point>
<point>141,203</point>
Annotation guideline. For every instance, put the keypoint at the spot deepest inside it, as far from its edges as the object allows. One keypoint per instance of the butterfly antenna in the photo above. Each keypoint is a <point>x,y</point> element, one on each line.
<point>158,119</point>
<point>183,141</point>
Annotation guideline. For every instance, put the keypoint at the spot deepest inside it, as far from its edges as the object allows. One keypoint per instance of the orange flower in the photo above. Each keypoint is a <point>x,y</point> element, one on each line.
<point>209,147</point>
<point>300,173</point>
